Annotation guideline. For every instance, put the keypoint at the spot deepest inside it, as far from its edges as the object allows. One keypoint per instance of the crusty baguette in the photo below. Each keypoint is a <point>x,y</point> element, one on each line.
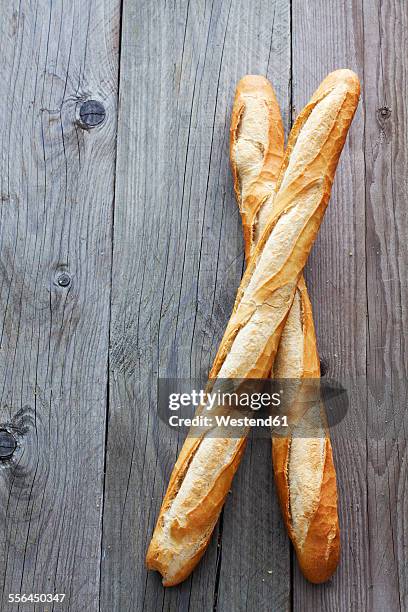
<point>303,465</point>
<point>204,470</point>
<point>303,462</point>
<point>256,154</point>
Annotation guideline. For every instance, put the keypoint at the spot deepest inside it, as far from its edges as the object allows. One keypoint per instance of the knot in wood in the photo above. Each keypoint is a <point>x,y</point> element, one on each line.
<point>384,112</point>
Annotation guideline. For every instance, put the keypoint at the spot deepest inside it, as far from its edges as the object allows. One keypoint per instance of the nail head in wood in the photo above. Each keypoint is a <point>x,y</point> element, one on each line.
<point>8,444</point>
<point>63,279</point>
<point>91,113</point>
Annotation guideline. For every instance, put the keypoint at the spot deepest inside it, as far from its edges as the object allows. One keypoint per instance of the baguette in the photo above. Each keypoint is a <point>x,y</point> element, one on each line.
<point>204,470</point>
<point>256,154</point>
<point>303,465</point>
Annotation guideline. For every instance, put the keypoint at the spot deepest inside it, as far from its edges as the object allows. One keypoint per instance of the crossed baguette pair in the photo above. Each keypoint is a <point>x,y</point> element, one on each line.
<point>282,198</point>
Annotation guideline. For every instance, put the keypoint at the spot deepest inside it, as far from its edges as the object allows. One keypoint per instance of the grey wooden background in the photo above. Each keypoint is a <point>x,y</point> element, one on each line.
<point>140,212</point>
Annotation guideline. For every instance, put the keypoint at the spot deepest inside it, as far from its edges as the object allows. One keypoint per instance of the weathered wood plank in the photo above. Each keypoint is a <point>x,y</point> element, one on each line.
<point>386,131</point>
<point>57,184</point>
<point>357,279</point>
<point>178,259</point>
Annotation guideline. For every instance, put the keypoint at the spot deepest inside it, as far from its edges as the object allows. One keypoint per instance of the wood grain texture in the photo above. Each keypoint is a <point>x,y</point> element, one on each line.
<point>357,279</point>
<point>55,215</point>
<point>178,259</point>
<point>386,131</point>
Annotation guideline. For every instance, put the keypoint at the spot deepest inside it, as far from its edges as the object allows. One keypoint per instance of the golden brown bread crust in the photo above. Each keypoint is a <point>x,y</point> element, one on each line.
<point>318,558</point>
<point>313,180</point>
<point>249,88</point>
<point>250,343</point>
<point>158,557</point>
<point>203,519</point>
<point>318,555</point>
